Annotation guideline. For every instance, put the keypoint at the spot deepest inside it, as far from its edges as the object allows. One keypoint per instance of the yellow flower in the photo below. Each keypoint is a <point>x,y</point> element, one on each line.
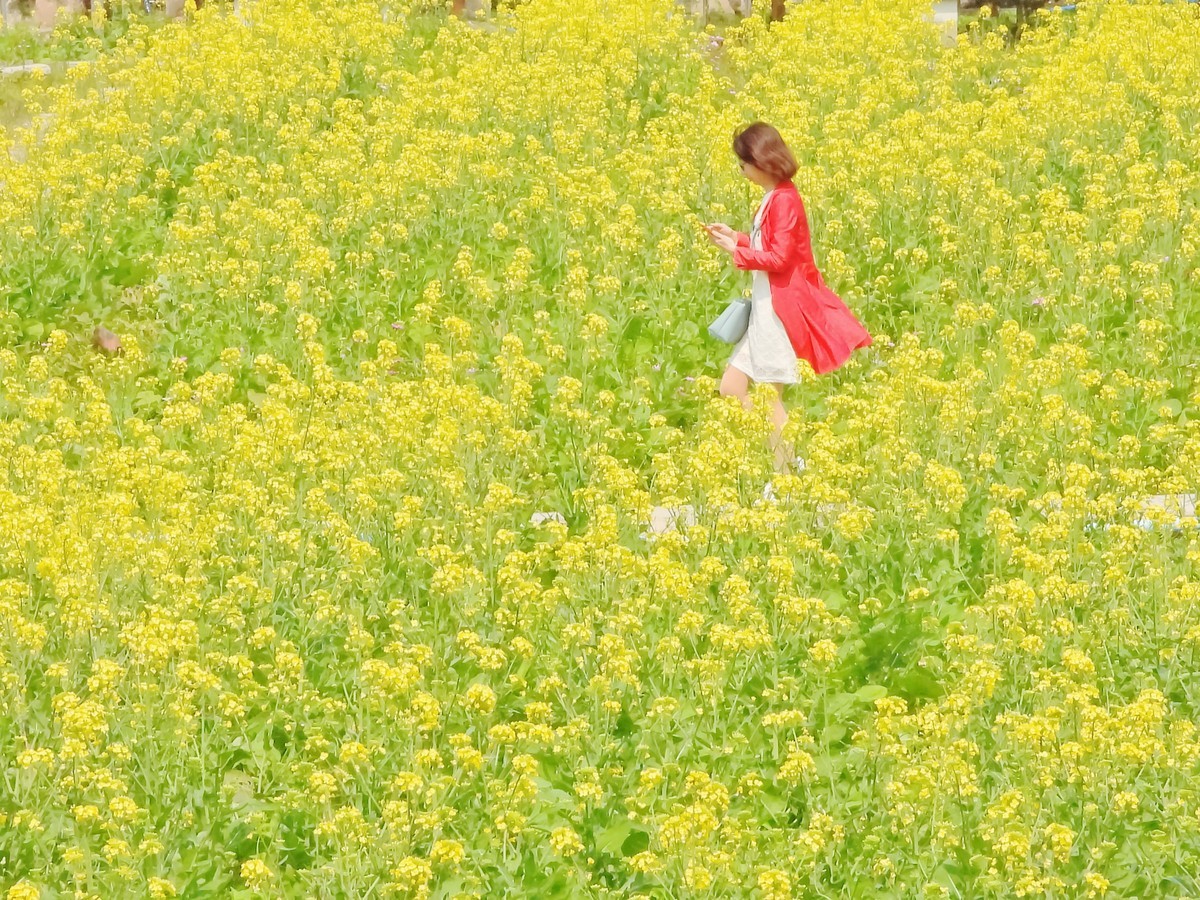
<point>256,874</point>
<point>480,699</point>
<point>354,754</point>
<point>645,862</point>
<point>775,884</point>
<point>697,877</point>
<point>123,809</point>
<point>412,874</point>
<point>565,842</point>
<point>446,852</point>
<point>1060,840</point>
<point>1124,802</point>
<point>824,653</point>
<point>161,889</point>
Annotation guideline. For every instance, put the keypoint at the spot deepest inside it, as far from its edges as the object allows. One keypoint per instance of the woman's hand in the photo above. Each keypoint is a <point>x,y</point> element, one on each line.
<point>723,236</point>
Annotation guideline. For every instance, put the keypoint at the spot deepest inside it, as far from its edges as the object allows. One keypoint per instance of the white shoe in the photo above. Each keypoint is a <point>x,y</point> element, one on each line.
<point>799,464</point>
<point>769,491</point>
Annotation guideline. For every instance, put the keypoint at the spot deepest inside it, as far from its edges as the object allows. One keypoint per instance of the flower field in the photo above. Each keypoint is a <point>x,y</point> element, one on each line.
<point>337,581</point>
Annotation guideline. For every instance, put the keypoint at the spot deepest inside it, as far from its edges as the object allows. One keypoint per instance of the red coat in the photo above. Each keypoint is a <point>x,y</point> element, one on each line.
<point>819,325</point>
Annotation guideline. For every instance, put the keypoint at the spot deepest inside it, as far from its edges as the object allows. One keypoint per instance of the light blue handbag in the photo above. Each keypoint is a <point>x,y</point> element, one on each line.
<point>730,325</point>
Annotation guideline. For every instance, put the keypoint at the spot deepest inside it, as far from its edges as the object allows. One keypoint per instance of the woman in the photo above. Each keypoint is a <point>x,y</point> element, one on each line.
<point>793,315</point>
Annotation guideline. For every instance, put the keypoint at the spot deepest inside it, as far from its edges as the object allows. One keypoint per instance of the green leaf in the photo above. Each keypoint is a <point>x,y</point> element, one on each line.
<point>834,733</point>
<point>919,684</point>
<point>637,841</point>
<point>869,693</point>
<point>774,804</point>
<point>633,330</point>
<point>837,704</point>
<point>942,876</point>
<point>450,887</point>
<point>611,839</point>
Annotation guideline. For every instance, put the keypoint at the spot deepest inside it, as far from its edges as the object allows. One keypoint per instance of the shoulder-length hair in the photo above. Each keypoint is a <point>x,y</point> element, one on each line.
<point>760,145</point>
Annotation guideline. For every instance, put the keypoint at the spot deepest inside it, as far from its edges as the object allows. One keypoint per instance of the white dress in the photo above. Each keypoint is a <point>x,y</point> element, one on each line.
<point>764,353</point>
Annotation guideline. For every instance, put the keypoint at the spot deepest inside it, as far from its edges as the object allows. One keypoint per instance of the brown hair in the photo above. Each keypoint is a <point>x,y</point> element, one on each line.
<point>760,145</point>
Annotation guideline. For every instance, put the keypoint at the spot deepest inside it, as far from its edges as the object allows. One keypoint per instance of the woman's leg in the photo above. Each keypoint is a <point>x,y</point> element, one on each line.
<point>736,383</point>
<point>779,417</point>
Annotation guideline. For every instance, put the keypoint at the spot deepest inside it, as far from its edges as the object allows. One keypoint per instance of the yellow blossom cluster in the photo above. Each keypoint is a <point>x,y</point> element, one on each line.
<point>338,579</point>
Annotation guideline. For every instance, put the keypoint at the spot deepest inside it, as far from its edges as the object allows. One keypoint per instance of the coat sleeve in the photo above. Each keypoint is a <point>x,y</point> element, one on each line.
<point>743,239</point>
<point>780,234</point>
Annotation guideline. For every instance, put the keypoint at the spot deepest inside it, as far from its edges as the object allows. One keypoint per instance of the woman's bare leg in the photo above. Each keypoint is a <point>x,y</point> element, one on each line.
<point>783,451</point>
<point>736,383</point>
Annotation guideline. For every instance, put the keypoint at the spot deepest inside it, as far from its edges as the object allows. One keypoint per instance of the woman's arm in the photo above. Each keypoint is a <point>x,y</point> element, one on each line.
<point>780,234</point>
<point>743,239</point>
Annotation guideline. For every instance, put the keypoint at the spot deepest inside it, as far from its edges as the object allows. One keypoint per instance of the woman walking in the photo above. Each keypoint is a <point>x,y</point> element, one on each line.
<point>793,315</point>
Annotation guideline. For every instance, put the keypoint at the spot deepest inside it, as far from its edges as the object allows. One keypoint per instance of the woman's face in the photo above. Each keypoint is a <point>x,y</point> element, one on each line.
<point>757,175</point>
